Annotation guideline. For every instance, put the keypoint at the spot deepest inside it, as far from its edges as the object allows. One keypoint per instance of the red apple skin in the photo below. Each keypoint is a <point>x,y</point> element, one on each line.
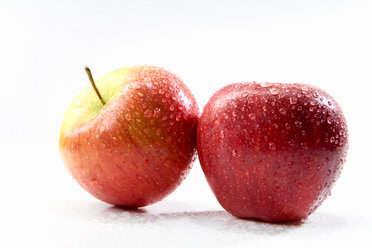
<point>140,146</point>
<point>272,151</point>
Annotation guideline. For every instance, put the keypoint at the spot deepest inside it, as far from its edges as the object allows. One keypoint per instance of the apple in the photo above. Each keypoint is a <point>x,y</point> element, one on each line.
<point>131,140</point>
<point>272,151</point>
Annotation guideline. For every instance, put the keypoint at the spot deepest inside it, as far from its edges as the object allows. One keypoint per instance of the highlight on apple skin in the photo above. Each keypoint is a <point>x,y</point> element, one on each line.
<point>272,151</point>
<point>139,146</point>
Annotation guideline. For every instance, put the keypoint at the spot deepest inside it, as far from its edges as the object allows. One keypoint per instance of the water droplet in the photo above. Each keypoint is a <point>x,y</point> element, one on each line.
<point>282,111</point>
<point>234,153</point>
<point>272,146</point>
<point>293,100</point>
<point>157,112</point>
<point>128,117</point>
<point>178,117</point>
<point>274,91</point>
<point>222,135</point>
<point>329,120</point>
<point>252,116</point>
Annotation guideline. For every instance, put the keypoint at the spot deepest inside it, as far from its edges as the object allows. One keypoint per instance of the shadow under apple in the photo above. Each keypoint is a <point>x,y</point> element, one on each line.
<point>217,220</point>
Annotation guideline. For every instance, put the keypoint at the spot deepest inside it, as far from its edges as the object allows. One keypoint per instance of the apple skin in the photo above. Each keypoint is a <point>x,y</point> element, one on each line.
<point>138,147</point>
<point>272,151</point>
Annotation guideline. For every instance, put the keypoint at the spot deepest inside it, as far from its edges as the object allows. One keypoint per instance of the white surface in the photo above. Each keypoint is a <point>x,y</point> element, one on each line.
<point>44,47</point>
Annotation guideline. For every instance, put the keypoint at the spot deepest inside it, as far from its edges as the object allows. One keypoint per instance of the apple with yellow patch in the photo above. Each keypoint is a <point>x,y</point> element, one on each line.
<point>131,139</point>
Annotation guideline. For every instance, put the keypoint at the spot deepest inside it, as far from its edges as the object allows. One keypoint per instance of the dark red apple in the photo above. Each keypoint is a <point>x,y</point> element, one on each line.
<point>137,148</point>
<point>272,151</point>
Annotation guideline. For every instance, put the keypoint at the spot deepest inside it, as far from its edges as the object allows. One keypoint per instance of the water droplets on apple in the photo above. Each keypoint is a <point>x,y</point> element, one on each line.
<point>282,111</point>
<point>234,153</point>
<point>292,100</point>
<point>329,120</point>
<point>178,117</point>
<point>274,91</point>
<point>252,116</point>
<point>272,146</point>
<point>128,117</point>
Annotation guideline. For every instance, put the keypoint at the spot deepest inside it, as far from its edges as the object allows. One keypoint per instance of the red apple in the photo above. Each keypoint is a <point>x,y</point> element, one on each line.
<point>272,151</point>
<point>138,147</point>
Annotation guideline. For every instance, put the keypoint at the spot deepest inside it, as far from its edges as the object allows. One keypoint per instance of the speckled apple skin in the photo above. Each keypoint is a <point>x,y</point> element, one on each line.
<point>272,151</point>
<point>140,146</point>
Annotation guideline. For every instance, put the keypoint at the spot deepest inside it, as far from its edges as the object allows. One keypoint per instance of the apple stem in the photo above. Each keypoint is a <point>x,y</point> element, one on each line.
<point>94,85</point>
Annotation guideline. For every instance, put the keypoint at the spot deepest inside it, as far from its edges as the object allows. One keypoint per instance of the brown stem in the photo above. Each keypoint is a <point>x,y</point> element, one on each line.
<point>94,85</point>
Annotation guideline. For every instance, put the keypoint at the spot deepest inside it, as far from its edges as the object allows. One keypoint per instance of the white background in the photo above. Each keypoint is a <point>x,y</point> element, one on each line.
<point>44,46</point>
